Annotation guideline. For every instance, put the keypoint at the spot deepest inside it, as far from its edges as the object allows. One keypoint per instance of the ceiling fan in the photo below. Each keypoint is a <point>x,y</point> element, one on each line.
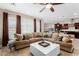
<point>49,6</point>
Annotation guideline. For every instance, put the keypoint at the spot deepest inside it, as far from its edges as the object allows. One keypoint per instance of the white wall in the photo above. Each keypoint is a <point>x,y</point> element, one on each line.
<point>1,23</point>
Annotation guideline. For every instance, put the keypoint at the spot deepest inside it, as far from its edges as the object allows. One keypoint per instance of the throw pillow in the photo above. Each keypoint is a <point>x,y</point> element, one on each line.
<point>55,36</point>
<point>17,39</point>
<point>66,39</point>
<point>70,41</point>
<point>23,37</point>
<point>46,36</point>
<point>18,36</point>
<point>60,38</point>
<point>27,37</point>
<point>38,36</point>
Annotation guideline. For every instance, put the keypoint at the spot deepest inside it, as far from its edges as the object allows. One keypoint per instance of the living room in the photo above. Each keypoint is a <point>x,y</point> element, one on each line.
<point>39,29</point>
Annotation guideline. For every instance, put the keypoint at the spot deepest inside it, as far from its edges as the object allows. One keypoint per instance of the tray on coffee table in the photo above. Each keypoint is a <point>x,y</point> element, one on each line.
<point>44,44</point>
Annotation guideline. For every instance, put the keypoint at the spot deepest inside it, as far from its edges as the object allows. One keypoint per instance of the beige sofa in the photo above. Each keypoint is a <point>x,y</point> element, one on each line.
<point>25,40</point>
<point>65,44</point>
<point>29,38</point>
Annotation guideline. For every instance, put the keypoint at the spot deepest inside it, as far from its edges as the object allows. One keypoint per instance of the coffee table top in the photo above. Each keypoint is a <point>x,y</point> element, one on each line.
<point>47,49</point>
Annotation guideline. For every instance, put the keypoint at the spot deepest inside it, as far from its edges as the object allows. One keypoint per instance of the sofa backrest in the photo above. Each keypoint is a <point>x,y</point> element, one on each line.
<point>55,36</point>
<point>67,39</point>
<point>18,36</point>
<point>37,34</point>
<point>28,35</point>
<point>47,35</point>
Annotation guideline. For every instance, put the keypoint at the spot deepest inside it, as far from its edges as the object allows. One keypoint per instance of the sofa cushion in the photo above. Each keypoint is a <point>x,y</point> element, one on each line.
<point>60,38</point>
<point>23,37</point>
<point>21,42</point>
<point>71,35</point>
<point>62,34</point>
<point>28,36</point>
<point>18,36</point>
<point>36,35</point>
<point>32,40</point>
<point>47,35</point>
<point>70,41</point>
<point>67,39</point>
<point>55,36</point>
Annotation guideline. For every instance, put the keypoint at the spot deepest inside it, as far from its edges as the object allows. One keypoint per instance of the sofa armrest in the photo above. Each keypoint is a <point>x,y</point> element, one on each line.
<point>67,44</point>
<point>21,42</point>
<point>32,40</point>
<point>64,44</point>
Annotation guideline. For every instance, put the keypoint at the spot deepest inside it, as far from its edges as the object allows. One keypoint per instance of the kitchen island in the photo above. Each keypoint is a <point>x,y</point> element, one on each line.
<point>72,31</point>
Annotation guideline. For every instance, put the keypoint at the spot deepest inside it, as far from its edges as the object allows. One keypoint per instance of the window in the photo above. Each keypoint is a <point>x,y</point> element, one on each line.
<point>38,25</point>
<point>1,22</point>
<point>12,26</point>
<point>27,25</point>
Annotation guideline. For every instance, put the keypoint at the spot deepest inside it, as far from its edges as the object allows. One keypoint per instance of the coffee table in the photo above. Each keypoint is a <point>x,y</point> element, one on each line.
<point>52,50</point>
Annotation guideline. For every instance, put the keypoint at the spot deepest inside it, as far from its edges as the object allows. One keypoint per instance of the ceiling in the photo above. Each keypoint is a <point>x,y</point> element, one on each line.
<point>62,12</point>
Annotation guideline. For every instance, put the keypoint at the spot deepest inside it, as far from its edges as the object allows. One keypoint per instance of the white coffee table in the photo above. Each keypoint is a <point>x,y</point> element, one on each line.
<point>52,50</point>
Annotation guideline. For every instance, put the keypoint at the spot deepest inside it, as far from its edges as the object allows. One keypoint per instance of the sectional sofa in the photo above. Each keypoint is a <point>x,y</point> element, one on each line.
<point>24,40</point>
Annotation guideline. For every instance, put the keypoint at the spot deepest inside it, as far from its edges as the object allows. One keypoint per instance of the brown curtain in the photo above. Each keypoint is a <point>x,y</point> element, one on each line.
<point>34,25</point>
<point>40,26</point>
<point>5,29</point>
<point>18,24</point>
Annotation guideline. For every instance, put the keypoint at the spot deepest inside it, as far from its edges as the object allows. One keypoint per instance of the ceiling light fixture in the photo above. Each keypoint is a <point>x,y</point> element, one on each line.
<point>48,6</point>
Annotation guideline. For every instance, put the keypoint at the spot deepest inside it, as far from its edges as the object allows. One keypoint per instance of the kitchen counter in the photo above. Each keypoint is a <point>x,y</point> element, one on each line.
<point>72,31</point>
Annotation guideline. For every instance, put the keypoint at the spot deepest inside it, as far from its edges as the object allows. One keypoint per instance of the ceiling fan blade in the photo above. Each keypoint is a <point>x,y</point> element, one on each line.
<point>42,9</point>
<point>52,9</point>
<point>43,3</point>
<point>56,3</point>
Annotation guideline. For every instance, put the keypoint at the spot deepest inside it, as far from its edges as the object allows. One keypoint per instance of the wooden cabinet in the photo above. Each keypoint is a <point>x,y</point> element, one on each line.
<point>76,25</point>
<point>61,26</point>
<point>58,26</point>
<point>74,33</point>
<point>64,26</point>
